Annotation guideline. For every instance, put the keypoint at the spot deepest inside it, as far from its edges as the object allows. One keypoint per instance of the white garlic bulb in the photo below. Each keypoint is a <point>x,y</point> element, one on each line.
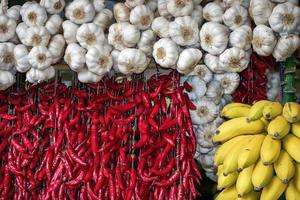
<point>203,72</point>
<point>241,37</point>
<point>131,61</point>
<point>115,56</point>
<point>7,59</point>
<point>56,47</point>
<point>141,16</point>
<point>228,81</point>
<point>14,12</point>
<point>21,58</point>
<point>7,79</point>
<point>34,15</point>
<point>121,12</point>
<point>40,57</point>
<point>70,30</point>
<point>160,26</point>
<point>134,3</point>
<point>165,53</point>
<point>99,60</point>
<point>214,37</point>
<point>285,18</point>
<point>123,35</point>
<point>54,6</point>
<point>21,31</point>
<point>235,17</point>
<point>206,111</point>
<point>54,24</point>
<point>213,12</point>
<point>86,76</point>
<point>212,62</point>
<point>7,28</point>
<point>37,76</point>
<point>198,85</point>
<point>103,19</point>
<point>36,36</point>
<point>260,11</point>
<point>80,11</point>
<point>234,60</point>
<point>197,14</point>
<point>184,31</point>
<point>285,47</point>
<point>152,4</point>
<point>179,8</point>
<point>90,35</point>
<point>162,8</point>
<point>263,41</point>
<point>146,42</point>
<point>188,59</point>
<point>75,57</point>
<point>99,5</point>
<point>229,3</point>
<point>214,91</point>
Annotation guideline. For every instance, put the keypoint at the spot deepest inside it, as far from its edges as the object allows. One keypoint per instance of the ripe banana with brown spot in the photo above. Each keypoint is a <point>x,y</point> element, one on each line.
<point>279,127</point>
<point>272,110</point>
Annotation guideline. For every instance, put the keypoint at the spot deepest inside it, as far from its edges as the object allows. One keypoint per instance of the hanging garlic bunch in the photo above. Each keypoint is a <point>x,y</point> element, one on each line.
<point>264,40</point>
<point>235,17</point>
<point>234,59</point>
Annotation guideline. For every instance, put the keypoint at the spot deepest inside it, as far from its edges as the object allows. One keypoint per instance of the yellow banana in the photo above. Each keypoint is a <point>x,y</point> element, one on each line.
<point>272,110</point>
<point>265,122</point>
<point>279,127</point>
<point>296,129</point>
<point>256,110</point>
<point>261,175</point>
<point>250,196</point>
<point>291,144</point>
<point>227,181</point>
<point>291,192</point>
<point>227,194</point>
<point>235,112</point>
<point>270,150</point>
<point>236,127</point>
<point>234,105</point>
<point>284,167</point>
<point>291,112</point>
<point>250,152</point>
<point>244,183</point>
<point>296,178</point>
<point>273,190</point>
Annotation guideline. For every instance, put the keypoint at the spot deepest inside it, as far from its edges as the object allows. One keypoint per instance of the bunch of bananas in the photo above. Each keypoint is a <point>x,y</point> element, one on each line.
<point>259,156</point>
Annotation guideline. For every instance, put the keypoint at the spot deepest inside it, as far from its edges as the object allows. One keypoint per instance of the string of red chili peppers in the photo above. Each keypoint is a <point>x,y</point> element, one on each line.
<point>112,140</point>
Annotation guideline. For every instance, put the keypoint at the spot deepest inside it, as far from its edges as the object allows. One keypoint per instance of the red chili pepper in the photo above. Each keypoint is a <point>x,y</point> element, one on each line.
<point>76,180</point>
<point>17,146</point>
<point>3,144</point>
<point>187,86</point>
<point>119,178</point>
<point>156,91</point>
<point>71,152</point>
<point>180,194</point>
<point>124,121</point>
<point>189,103</point>
<point>169,139</point>
<point>27,142</point>
<point>166,170</point>
<point>154,111</point>
<point>7,116</point>
<point>172,179</point>
<point>163,105</point>
<point>195,167</point>
<point>169,122</point>
<point>6,131</point>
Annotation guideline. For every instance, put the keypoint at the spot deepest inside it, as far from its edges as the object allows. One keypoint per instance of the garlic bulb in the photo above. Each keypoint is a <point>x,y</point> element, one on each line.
<point>235,17</point>
<point>260,11</point>
<point>152,4</point>
<point>21,31</point>
<point>75,57</point>
<point>295,2</point>
<point>40,58</point>
<point>197,14</point>
<point>86,76</point>
<point>165,53</point>
<point>54,6</point>
<point>132,61</point>
<point>90,35</point>
<point>229,3</point>
<point>263,41</point>
<point>21,58</point>
<point>146,42</point>
<point>53,24</point>
<point>203,72</point>
<point>241,37</point>
<point>212,62</point>
<point>7,28</point>
<point>34,15</point>
<point>285,18</point>
<point>70,30</point>
<point>37,36</point>
<point>134,3</point>
<point>285,47</point>
<point>115,56</point>
<point>37,76</point>
<point>228,81</point>
<point>214,37</point>
<point>7,79</point>
<point>123,35</point>
<point>103,18</point>
<point>184,31</point>
<point>214,91</point>
<point>205,133</point>
<point>56,47</point>
<point>14,12</point>
<point>179,8</point>
<point>99,60</point>
<point>162,8</point>
<point>99,5</point>
<point>206,111</point>
<point>213,12</point>
<point>121,12</point>
<point>141,16</point>
<point>188,59</point>
<point>7,58</point>
<point>198,85</point>
<point>234,60</point>
<point>160,26</point>
<point>80,11</point>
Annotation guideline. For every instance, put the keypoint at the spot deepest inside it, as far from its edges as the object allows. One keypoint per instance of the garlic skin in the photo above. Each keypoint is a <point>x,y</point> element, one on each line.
<point>14,12</point>
<point>285,18</point>
<point>121,12</point>
<point>151,4</point>
<point>36,36</point>
<point>34,15</point>
<point>21,58</point>
<point>7,59</point>
<point>235,17</point>
<point>184,31</point>
<point>80,11</point>
<point>141,16</point>
<point>70,30</point>
<point>260,11</point>
<point>40,58</point>
<point>165,53</point>
<point>56,47</point>
<point>285,47</point>
<point>212,62</point>
<point>7,28</point>
<point>213,12</point>
<point>179,8</point>
<point>214,91</point>
<point>241,37</point>
<point>21,31</point>
<point>90,35</point>
<point>228,81</point>
<point>54,6</point>
<point>197,14</point>
<point>99,5</point>
<point>7,79</point>
<point>214,37</point>
<point>133,3</point>
<point>198,85</point>
<point>115,56</point>
<point>206,111</point>
<point>103,19</point>
<point>98,60</point>
<point>188,59</point>
<point>37,76</point>
<point>234,60</point>
<point>295,2</point>
<point>131,61</point>
<point>75,57</point>
<point>123,35</point>
<point>203,72</point>
<point>263,41</point>
<point>86,76</point>
<point>146,42</point>
<point>54,24</point>
<point>160,25</point>
<point>162,8</point>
